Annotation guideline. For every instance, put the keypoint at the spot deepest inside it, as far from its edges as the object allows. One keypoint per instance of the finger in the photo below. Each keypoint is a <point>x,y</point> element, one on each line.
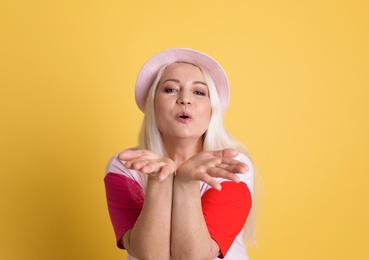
<point>229,153</point>
<point>231,162</point>
<point>129,154</point>
<point>221,173</point>
<point>151,166</point>
<point>165,171</point>
<point>136,163</point>
<point>225,153</point>
<point>235,165</point>
<point>212,183</point>
<point>232,168</point>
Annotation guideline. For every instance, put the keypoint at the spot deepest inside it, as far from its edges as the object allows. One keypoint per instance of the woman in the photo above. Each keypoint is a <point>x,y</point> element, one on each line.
<point>187,190</point>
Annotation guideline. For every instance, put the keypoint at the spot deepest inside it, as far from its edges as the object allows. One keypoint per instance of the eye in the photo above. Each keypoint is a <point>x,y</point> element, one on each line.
<point>200,93</point>
<point>169,90</point>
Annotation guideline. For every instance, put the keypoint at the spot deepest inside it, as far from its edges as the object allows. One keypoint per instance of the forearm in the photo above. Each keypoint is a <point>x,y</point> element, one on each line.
<point>150,236</point>
<point>190,236</point>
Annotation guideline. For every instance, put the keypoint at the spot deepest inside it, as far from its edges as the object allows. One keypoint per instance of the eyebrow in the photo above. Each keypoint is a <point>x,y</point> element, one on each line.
<point>194,82</point>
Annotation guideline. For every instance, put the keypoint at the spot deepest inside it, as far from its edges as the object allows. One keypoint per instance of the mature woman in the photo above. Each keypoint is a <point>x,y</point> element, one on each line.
<point>186,191</point>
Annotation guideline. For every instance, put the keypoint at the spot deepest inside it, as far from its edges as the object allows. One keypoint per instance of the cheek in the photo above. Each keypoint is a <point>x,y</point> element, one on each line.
<point>157,104</point>
<point>207,110</point>
<point>162,111</point>
<point>206,115</point>
<point>160,106</point>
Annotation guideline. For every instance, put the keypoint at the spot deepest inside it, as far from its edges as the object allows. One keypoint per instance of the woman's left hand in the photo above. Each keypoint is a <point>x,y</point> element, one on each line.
<point>205,166</point>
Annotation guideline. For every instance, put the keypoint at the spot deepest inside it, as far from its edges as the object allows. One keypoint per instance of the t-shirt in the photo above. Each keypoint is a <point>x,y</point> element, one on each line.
<point>225,212</point>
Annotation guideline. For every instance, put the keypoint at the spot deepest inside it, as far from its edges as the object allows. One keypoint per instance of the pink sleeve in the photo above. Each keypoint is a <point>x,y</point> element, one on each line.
<point>125,200</point>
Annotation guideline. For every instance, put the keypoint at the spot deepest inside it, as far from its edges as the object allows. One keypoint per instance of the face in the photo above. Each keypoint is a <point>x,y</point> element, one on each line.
<point>182,103</point>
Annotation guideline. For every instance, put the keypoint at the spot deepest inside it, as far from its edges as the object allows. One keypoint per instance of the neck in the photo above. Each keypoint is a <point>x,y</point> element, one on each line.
<point>181,150</point>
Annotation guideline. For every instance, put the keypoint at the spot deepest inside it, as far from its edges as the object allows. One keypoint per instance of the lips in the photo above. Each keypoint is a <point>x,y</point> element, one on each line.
<point>184,117</point>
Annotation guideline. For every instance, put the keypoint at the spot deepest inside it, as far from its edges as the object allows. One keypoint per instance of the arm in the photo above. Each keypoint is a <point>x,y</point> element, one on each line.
<point>150,236</point>
<point>190,236</point>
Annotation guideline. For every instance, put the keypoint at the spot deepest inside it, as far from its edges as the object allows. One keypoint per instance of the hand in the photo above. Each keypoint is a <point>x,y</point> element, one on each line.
<point>147,162</point>
<point>206,165</point>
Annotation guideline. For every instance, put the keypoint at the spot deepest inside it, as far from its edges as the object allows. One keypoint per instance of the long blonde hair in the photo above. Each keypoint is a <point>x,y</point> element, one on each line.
<point>215,138</point>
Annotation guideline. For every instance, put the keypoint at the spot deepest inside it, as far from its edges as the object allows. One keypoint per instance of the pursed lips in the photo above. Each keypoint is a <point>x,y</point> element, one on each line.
<point>184,117</point>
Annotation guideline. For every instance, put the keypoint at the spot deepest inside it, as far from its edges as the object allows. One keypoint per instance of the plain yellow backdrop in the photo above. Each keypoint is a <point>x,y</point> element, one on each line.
<point>299,101</point>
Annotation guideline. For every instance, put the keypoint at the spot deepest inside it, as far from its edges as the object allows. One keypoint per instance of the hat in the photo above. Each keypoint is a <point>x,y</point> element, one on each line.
<point>150,69</point>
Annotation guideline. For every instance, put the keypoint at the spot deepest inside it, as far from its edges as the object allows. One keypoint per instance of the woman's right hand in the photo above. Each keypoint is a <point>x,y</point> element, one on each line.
<point>156,166</point>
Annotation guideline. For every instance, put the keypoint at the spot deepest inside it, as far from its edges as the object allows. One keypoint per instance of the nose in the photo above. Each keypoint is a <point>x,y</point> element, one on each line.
<point>183,99</point>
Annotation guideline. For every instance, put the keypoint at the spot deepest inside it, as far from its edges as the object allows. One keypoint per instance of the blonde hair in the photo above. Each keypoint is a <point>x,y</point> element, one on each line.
<point>215,138</point>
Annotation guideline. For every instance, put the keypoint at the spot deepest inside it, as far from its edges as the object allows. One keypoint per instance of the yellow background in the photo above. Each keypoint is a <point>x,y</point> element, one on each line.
<point>299,101</point>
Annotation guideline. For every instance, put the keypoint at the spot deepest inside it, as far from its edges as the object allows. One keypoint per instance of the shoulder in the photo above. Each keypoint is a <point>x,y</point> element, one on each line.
<point>116,166</point>
<point>245,159</point>
<point>247,177</point>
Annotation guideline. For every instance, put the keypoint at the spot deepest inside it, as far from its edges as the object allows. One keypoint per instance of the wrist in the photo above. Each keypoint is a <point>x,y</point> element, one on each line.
<point>186,184</point>
<point>155,177</point>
